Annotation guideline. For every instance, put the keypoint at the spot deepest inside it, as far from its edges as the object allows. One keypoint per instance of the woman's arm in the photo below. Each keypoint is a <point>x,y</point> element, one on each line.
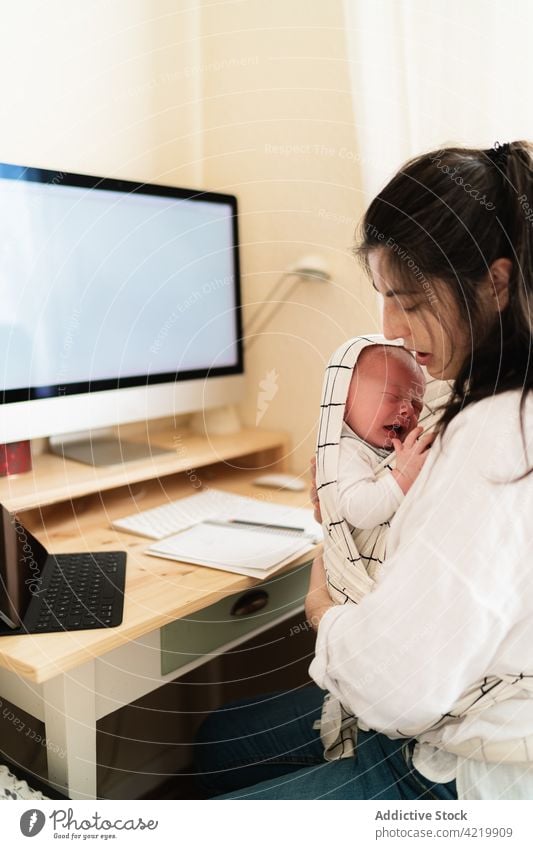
<point>314,494</point>
<point>318,600</point>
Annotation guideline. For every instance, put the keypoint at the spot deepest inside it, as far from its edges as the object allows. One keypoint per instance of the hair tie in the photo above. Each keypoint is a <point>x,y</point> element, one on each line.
<point>498,154</point>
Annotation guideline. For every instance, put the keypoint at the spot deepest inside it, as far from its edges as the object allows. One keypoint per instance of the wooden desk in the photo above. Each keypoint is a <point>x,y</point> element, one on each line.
<point>70,680</point>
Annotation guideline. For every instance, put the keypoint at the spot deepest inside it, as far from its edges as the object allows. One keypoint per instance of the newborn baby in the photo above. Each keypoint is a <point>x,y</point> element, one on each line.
<point>382,406</point>
<point>384,402</point>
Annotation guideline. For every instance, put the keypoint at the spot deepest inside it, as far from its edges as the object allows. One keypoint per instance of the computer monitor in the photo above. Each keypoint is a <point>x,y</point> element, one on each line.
<point>120,302</point>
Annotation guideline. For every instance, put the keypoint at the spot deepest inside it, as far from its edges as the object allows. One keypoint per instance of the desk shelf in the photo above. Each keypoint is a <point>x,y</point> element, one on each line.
<point>54,480</point>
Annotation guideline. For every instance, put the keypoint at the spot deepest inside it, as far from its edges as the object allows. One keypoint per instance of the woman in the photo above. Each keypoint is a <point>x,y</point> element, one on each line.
<point>437,658</point>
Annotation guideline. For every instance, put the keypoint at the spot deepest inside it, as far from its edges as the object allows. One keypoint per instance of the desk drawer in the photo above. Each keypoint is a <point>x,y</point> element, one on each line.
<point>233,619</point>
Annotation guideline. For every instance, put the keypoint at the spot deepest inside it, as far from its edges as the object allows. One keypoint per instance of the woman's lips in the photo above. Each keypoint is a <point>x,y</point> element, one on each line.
<point>422,357</point>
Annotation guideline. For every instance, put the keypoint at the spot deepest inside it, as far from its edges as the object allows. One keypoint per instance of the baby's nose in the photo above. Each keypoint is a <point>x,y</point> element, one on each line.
<point>406,407</point>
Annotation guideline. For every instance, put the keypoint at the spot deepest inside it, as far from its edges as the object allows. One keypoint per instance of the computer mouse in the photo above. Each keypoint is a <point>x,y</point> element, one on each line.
<point>281,481</point>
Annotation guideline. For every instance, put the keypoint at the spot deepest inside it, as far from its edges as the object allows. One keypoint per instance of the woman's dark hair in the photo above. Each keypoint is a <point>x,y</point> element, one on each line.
<point>442,220</point>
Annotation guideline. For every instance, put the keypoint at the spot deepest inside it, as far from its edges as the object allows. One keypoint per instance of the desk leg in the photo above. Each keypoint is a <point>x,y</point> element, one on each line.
<point>70,719</point>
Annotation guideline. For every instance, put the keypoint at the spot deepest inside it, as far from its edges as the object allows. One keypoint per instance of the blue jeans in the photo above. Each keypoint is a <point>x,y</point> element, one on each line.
<point>266,748</point>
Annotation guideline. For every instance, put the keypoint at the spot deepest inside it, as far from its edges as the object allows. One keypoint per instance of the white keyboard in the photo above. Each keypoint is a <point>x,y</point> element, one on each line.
<point>176,516</point>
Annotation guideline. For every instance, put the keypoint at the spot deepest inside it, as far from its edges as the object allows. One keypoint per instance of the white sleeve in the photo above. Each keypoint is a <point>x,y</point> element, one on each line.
<point>455,583</point>
<point>364,500</point>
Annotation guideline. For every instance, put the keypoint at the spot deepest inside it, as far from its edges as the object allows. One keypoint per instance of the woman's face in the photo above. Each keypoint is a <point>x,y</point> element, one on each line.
<point>416,317</point>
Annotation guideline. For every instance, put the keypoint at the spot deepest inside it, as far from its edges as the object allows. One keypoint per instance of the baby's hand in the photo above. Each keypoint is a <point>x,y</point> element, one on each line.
<point>411,454</point>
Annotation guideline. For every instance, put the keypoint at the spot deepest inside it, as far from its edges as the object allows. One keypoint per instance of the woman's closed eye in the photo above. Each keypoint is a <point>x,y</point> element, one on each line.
<point>408,303</point>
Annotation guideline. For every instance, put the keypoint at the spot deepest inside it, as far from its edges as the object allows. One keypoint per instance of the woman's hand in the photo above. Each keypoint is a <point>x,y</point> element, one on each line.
<point>318,599</point>
<point>314,495</point>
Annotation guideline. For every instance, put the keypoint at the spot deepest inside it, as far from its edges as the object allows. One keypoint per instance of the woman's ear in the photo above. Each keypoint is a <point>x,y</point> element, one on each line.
<point>499,276</point>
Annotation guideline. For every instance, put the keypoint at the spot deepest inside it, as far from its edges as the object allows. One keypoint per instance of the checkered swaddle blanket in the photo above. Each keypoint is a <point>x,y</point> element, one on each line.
<point>352,557</point>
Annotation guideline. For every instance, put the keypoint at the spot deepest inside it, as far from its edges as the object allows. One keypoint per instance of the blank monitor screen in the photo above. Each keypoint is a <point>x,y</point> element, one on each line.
<point>107,284</point>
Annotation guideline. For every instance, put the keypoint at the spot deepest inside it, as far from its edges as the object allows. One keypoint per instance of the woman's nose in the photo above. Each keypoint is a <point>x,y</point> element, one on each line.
<point>393,322</point>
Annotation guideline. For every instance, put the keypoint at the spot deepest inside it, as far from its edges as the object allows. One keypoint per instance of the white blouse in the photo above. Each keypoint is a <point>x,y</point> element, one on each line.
<point>453,604</point>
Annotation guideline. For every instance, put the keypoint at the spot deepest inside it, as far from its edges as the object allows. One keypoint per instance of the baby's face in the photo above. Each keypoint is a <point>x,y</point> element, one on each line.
<point>384,399</point>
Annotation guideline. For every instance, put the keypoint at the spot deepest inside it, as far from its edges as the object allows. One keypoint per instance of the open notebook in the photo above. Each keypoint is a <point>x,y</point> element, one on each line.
<point>241,547</point>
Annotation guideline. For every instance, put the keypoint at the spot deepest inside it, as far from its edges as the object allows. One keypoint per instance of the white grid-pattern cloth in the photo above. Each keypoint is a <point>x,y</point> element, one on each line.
<point>352,557</point>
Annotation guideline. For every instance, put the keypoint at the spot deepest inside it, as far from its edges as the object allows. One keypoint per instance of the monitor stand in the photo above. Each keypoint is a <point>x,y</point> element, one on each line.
<point>218,421</point>
<point>104,450</point>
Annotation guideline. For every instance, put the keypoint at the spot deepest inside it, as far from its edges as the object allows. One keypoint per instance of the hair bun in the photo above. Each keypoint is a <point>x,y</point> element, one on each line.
<point>498,154</point>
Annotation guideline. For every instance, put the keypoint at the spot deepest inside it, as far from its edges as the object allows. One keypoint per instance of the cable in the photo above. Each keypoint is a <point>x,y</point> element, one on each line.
<point>256,330</point>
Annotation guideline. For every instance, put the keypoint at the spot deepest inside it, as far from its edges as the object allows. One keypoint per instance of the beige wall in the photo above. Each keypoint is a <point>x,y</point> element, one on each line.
<point>108,86</point>
<point>279,131</point>
<point>240,95</point>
